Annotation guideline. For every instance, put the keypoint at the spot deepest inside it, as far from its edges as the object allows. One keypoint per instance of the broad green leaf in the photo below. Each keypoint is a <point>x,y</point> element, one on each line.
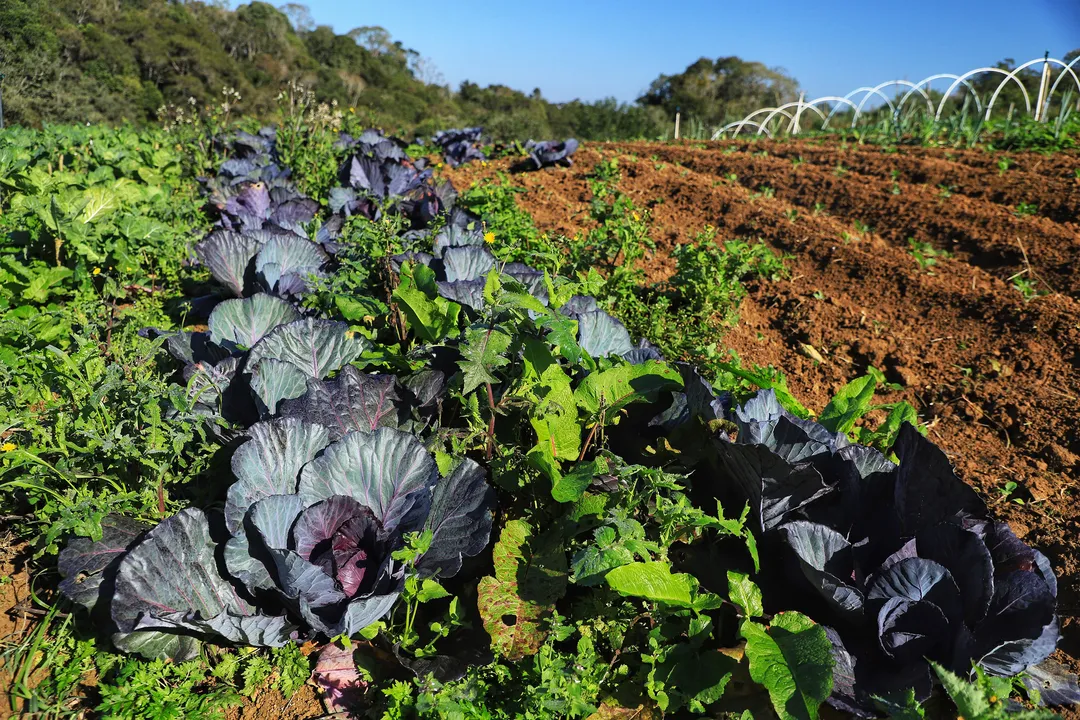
<point>45,282</point>
<point>555,416</point>
<point>355,309</point>
<point>849,404</point>
<point>558,434</point>
<point>792,660</point>
<point>431,317</point>
<point>522,300</point>
<point>56,214</point>
<point>161,157</point>
<point>592,564</point>
<point>141,228</point>
<point>571,486</point>
<point>100,202</point>
<point>617,387</point>
<point>655,582</point>
<point>745,593</point>
<point>562,332</point>
<point>149,176</point>
<point>592,505</point>
<point>530,576</point>
<point>484,351</point>
<point>431,590</point>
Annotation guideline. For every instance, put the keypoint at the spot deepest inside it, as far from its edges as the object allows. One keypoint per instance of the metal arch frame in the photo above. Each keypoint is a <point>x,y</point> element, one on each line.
<point>858,110</point>
<point>897,109</point>
<point>762,127</point>
<point>739,125</point>
<point>748,120</point>
<point>799,105</point>
<point>957,81</point>
<point>1046,101</point>
<point>1008,76</point>
<point>932,78</point>
<point>1061,75</point>
<point>833,99</point>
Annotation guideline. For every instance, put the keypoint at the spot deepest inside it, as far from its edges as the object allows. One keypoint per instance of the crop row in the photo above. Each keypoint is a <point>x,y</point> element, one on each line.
<point>458,395</point>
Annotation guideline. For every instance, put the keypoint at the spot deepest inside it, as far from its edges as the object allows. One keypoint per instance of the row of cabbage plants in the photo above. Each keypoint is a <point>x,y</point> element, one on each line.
<point>467,397</point>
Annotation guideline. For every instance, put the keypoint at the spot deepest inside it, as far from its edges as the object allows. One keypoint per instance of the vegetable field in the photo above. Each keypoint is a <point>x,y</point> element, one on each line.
<point>311,420</point>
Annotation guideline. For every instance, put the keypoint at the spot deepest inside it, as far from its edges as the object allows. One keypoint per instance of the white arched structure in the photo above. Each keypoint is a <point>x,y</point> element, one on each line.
<point>1061,76</point>
<point>899,106</point>
<point>1029,63</point>
<point>784,111</point>
<point>941,76</point>
<point>990,106</point>
<point>792,110</point>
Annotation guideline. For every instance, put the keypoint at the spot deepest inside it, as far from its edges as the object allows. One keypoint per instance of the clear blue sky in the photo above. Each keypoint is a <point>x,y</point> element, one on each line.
<point>591,49</point>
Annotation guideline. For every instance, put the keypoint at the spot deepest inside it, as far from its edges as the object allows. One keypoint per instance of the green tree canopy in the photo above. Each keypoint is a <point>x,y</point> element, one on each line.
<point>721,90</point>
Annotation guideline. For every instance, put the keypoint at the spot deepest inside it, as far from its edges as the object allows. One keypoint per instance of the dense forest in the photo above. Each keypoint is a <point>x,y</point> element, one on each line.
<point>135,60</point>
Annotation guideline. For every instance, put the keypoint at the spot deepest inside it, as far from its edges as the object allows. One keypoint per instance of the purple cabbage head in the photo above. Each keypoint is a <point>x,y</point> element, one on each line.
<point>899,561</point>
<point>551,152</point>
<point>303,547</point>
<point>460,146</point>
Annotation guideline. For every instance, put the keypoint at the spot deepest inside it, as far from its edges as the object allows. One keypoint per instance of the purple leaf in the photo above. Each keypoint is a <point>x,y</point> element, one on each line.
<point>338,679</point>
<point>351,401</point>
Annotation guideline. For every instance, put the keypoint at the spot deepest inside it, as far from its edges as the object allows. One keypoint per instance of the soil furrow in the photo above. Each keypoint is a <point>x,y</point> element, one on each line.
<point>1047,181</point>
<point>984,234</point>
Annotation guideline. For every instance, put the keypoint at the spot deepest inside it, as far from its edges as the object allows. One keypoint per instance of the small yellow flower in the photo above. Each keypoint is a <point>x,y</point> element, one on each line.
<point>7,447</point>
<point>352,110</point>
<point>637,218</point>
<point>97,271</point>
<point>489,237</point>
<point>350,334</point>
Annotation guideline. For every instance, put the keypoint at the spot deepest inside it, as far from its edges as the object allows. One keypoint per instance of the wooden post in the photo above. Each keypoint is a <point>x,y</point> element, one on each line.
<point>1040,116</point>
<point>677,116</point>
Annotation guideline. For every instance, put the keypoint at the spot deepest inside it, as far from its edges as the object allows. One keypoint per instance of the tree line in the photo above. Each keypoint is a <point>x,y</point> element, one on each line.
<point>125,60</point>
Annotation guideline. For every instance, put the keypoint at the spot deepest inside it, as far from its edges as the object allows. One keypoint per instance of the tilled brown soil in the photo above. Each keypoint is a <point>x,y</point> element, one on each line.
<point>1048,181</point>
<point>995,377</point>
